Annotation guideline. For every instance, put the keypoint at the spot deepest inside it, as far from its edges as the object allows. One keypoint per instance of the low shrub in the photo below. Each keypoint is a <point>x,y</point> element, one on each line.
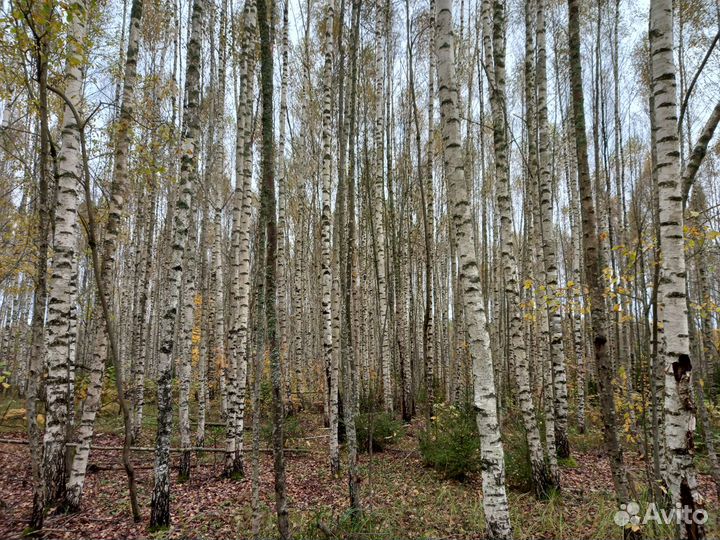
<point>518,471</point>
<point>325,523</point>
<point>450,443</point>
<point>379,427</point>
<point>293,430</point>
<point>371,400</point>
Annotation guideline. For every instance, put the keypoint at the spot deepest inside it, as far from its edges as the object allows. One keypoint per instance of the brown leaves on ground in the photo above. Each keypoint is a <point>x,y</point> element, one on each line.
<point>403,498</point>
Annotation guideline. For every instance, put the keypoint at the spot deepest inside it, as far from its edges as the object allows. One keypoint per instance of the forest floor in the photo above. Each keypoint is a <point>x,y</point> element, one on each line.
<point>401,497</point>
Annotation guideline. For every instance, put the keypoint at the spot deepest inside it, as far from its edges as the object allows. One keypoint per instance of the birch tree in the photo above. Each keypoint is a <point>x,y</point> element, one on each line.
<point>592,256</point>
<point>679,405</point>
<point>190,145</point>
<point>91,404</point>
<point>557,351</point>
<point>61,326</point>
<point>378,211</point>
<point>495,501</point>
<point>325,220</point>
<point>268,220</point>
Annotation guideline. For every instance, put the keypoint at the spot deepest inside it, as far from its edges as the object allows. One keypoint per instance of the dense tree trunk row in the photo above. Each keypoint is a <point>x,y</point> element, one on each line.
<point>424,212</point>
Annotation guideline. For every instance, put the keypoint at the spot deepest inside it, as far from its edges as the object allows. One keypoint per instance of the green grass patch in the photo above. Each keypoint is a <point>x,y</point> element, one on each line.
<point>568,463</point>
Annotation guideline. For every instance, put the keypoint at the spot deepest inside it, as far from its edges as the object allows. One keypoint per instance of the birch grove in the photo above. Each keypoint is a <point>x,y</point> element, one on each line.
<point>346,268</point>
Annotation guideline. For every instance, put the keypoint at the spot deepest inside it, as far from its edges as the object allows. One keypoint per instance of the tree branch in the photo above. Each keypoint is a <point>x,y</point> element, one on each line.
<point>698,153</point>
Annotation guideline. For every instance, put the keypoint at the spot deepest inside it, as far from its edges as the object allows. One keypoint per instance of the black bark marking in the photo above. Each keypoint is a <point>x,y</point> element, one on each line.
<point>693,530</point>
<point>681,367</point>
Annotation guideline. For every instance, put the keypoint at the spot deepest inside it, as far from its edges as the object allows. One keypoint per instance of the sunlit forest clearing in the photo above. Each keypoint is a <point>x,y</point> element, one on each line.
<point>359,269</point>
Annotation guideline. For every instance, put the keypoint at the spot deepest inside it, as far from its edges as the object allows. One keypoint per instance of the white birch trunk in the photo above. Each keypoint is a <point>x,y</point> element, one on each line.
<point>117,201</point>
<point>326,278</point>
<point>378,216</point>
<point>242,219</point>
<point>548,243</point>
<point>190,147</point>
<point>186,348</point>
<point>61,326</point>
<point>495,501</point>
<point>679,402</point>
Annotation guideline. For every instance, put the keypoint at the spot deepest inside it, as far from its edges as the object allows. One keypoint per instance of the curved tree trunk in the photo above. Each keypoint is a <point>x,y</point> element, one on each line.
<point>118,195</point>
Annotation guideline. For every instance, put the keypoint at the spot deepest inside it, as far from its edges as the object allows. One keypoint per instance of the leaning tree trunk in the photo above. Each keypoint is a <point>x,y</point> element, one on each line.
<point>495,500</point>
<point>61,326</point>
<point>91,405</point>
<point>679,402</point>
<point>699,151</point>
<point>190,146</point>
